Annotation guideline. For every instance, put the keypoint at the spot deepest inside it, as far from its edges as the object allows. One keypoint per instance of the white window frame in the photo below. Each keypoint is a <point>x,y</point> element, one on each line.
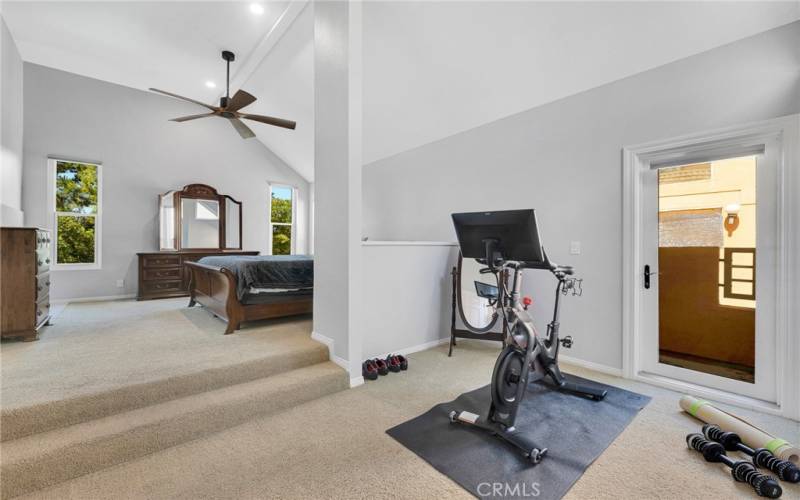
<point>293,224</point>
<point>98,217</point>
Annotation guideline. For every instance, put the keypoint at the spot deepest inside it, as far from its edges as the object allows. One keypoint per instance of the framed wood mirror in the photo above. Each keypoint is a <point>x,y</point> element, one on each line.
<point>475,304</point>
<point>197,217</point>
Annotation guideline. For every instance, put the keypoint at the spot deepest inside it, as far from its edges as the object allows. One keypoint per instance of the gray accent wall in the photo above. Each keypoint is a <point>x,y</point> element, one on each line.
<point>564,159</point>
<point>11,91</point>
<point>143,154</point>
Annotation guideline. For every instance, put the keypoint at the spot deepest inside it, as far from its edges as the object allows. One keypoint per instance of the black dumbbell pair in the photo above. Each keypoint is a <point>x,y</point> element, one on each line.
<point>371,368</point>
<point>714,442</point>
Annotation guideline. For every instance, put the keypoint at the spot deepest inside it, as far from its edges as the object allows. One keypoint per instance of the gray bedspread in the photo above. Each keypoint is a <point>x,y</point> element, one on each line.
<point>266,271</point>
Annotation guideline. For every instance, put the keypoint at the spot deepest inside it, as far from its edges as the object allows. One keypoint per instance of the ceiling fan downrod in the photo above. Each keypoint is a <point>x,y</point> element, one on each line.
<point>228,56</point>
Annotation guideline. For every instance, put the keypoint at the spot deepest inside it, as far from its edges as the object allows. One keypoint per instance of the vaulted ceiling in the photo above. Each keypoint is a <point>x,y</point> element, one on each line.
<point>431,69</point>
<point>176,46</point>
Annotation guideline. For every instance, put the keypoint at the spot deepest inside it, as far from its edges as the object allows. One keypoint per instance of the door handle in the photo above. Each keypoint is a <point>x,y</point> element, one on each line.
<point>647,274</point>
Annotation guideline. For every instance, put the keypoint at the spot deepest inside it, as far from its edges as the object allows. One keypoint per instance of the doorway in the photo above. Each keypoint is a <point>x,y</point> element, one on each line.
<point>706,267</point>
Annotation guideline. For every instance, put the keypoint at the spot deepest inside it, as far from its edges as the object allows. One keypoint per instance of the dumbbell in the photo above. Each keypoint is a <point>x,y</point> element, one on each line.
<point>762,457</point>
<point>744,472</point>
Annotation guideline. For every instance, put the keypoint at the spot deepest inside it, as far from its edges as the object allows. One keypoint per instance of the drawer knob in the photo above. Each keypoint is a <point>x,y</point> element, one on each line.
<point>40,288</point>
<point>47,260</point>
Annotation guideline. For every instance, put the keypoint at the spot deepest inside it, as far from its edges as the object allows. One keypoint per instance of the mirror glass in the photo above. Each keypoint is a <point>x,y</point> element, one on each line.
<point>199,223</point>
<point>477,296</point>
<point>233,214</point>
<point>166,236</point>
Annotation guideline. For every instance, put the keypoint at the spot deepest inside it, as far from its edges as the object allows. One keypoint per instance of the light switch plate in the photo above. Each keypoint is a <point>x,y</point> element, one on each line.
<point>120,283</point>
<point>575,247</point>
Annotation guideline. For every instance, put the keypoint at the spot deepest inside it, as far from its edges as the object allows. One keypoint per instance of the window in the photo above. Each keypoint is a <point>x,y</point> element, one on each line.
<point>76,202</point>
<point>281,231</point>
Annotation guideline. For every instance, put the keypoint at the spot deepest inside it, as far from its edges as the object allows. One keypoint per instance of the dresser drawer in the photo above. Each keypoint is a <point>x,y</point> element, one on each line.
<point>161,261</point>
<point>42,261</point>
<point>162,274</point>
<point>42,285</point>
<point>163,286</point>
<point>42,311</point>
<point>42,240</point>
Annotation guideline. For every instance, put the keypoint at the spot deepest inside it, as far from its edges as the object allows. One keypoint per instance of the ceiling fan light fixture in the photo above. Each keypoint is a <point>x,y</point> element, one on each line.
<point>256,8</point>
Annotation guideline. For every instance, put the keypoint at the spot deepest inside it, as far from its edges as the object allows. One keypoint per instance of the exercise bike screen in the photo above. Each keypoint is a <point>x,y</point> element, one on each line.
<point>515,231</point>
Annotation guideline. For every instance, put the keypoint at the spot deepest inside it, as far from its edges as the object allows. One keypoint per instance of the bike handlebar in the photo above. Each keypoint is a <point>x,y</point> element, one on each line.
<point>550,266</point>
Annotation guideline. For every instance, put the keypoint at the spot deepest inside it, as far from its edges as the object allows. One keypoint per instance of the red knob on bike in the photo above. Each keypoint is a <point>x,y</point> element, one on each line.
<point>526,301</point>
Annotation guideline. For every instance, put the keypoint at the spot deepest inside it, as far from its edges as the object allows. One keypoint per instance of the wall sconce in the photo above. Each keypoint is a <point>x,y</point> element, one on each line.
<point>732,220</point>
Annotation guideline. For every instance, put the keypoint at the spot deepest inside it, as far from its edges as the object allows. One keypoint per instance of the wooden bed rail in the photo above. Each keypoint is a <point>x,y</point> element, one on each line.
<point>215,289</point>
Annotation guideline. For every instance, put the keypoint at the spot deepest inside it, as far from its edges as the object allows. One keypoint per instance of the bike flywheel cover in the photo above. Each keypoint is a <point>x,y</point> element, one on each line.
<point>506,379</point>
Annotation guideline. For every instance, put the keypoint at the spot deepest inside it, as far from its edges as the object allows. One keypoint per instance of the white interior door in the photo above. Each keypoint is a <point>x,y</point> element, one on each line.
<point>687,333</point>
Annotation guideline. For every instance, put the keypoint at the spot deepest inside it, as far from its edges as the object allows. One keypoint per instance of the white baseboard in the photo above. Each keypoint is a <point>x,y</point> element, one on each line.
<point>357,380</point>
<point>102,298</point>
<point>419,347</point>
<point>333,357</point>
<point>591,365</point>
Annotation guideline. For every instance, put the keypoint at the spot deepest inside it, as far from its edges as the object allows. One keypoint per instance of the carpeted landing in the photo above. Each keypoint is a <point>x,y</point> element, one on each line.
<point>336,447</point>
<point>112,382</point>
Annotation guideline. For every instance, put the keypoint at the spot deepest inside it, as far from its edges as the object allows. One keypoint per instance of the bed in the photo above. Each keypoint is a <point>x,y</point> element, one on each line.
<point>239,288</point>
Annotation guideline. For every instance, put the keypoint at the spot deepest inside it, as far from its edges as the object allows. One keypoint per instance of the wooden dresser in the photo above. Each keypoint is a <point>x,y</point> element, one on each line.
<point>162,274</point>
<point>25,281</point>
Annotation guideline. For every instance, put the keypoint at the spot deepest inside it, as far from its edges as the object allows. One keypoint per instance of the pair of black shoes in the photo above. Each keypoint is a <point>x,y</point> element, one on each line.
<point>371,368</point>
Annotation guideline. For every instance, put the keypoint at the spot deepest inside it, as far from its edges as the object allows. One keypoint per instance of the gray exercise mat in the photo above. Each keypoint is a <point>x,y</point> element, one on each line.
<point>575,431</point>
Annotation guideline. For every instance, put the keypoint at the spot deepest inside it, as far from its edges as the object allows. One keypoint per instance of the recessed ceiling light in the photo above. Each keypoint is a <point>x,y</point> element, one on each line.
<point>211,84</point>
<point>256,8</point>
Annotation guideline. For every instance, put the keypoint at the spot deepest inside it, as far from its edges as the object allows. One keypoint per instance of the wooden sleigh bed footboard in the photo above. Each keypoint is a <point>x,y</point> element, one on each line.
<point>215,289</point>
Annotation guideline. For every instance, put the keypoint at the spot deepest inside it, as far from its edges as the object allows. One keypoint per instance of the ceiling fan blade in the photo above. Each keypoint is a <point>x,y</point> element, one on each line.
<point>243,129</point>
<point>239,100</point>
<point>191,117</point>
<point>176,96</point>
<point>278,122</point>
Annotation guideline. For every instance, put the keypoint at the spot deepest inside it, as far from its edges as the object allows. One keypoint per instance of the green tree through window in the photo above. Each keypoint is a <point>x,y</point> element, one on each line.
<point>76,196</point>
<point>281,220</point>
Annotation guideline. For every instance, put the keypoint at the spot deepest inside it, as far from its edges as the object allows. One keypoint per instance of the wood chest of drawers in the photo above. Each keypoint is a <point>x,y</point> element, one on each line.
<point>162,274</point>
<point>25,281</point>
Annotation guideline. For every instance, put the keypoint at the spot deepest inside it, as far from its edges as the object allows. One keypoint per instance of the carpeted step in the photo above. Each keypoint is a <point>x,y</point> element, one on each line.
<point>34,462</point>
<point>17,422</point>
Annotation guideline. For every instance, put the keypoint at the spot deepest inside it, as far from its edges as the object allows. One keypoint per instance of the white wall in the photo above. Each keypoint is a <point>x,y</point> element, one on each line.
<point>337,179</point>
<point>11,91</point>
<point>407,297</point>
<point>143,154</point>
<point>564,159</point>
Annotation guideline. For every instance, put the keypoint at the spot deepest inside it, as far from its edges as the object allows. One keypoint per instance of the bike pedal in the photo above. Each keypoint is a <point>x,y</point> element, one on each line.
<point>566,342</point>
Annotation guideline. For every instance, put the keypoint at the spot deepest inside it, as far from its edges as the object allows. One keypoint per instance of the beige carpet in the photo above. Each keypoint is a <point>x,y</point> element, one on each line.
<point>336,447</point>
<point>101,358</point>
<point>119,343</point>
<point>164,375</point>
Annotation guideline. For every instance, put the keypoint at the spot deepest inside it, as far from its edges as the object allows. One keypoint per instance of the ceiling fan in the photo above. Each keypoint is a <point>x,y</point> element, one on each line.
<point>229,106</point>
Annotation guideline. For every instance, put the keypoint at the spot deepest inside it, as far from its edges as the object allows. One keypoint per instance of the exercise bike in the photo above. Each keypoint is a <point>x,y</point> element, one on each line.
<point>509,240</point>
